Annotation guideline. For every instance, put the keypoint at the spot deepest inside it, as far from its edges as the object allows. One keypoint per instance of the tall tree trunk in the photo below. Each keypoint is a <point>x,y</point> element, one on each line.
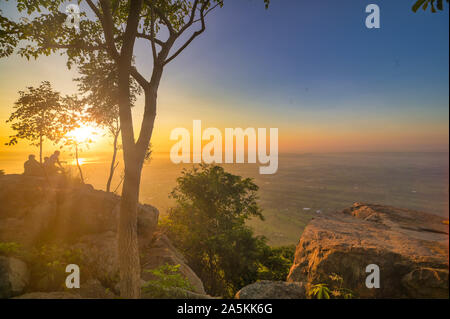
<point>113,162</point>
<point>129,263</point>
<point>40,149</point>
<point>78,164</point>
<point>133,154</point>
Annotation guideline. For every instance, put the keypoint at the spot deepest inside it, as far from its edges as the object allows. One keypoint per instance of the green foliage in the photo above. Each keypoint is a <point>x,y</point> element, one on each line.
<point>336,291</point>
<point>166,277</point>
<point>275,262</point>
<point>39,114</point>
<point>98,83</point>
<point>429,3</point>
<point>320,291</point>
<point>208,226</point>
<point>10,249</point>
<point>48,266</point>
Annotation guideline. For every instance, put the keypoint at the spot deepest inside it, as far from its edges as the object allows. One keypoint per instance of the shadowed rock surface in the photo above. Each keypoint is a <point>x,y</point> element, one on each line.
<point>410,248</point>
<point>162,252</point>
<point>266,289</point>
<point>36,211</point>
<point>14,276</point>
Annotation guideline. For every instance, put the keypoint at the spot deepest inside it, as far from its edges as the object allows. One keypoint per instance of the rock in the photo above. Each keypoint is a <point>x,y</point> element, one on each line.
<point>93,289</point>
<point>34,210</point>
<point>266,289</point>
<point>162,252</point>
<point>427,283</point>
<point>49,295</point>
<point>14,277</point>
<point>410,248</point>
<point>100,255</point>
<point>178,293</point>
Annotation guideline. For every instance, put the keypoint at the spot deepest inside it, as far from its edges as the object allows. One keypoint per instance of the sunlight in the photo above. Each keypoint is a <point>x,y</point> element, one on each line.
<point>81,161</point>
<point>84,133</point>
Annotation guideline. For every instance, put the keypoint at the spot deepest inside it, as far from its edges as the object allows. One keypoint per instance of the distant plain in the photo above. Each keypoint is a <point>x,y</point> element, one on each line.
<point>304,186</point>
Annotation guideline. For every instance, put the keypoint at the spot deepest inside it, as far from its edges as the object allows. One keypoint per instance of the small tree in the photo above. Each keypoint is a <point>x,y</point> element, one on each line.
<point>36,116</point>
<point>208,225</point>
<point>99,83</point>
<point>72,119</point>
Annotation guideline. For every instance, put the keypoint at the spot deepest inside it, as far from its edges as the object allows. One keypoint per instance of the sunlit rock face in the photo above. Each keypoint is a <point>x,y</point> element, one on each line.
<point>410,248</point>
<point>37,210</point>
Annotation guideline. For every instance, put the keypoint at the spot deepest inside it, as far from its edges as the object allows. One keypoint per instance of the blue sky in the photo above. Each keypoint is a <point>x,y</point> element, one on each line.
<point>311,68</point>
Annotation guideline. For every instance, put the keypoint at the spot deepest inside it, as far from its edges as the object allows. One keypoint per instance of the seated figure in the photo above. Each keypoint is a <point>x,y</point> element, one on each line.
<point>32,167</point>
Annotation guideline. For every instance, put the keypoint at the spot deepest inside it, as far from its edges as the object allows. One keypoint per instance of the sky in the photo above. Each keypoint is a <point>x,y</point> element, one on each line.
<point>309,68</point>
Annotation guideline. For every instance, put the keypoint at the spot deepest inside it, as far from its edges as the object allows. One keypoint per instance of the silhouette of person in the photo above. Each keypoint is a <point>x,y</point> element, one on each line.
<point>53,165</point>
<point>32,167</point>
<point>47,166</point>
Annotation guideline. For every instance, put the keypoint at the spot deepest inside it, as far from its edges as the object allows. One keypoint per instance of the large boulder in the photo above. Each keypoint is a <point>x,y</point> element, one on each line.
<point>93,289</point>
<point>14,276</point>
<point>266,289</point>
<point>35,211</point>
<point>162,252</point>
<point>410,248</point>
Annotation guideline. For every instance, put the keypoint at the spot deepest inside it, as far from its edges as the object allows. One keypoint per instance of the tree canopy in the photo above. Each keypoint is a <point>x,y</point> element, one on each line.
<point>208,225</point>
<point>39,114</point>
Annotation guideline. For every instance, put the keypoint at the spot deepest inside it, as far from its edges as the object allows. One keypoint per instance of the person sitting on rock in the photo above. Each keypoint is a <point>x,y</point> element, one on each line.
<point>32,167</point>
<point>53,165</point>
<point>47,166</point>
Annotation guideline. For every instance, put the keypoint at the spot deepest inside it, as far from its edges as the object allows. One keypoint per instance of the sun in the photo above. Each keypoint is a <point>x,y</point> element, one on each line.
<point>84,133</point>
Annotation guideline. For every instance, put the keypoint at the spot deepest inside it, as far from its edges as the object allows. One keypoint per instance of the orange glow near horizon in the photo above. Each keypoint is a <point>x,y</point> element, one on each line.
<point>85,133</point>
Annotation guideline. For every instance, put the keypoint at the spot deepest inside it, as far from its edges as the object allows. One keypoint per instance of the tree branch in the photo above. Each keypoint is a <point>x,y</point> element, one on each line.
<point>162,17</point>
<point>148,37</point>
<point>108,28</point>
<point>194,35</point>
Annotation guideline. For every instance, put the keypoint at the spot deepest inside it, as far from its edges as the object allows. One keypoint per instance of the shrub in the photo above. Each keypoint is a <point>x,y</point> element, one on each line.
<point>167,279</point>
<point>10,249</point>
<point>335,291</point>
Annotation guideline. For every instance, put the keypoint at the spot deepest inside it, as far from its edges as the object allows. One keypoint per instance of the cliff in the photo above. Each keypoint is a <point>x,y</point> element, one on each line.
<point>57,222</point>
<point>409,247</point>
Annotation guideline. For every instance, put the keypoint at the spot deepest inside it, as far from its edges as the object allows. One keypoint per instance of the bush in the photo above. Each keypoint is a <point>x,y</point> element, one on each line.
<point>335,291</point>
<point>209,226</point>
<point>10,249</point>
<point>48,266</point>
<point>167,279</point>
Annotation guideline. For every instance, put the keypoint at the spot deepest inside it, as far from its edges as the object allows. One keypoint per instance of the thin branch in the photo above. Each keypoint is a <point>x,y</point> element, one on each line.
<point>108,28</point>
<point>191,18</point>
<point>139,77</point>
<point>207,11</point>
<point>148,37</point>
<point>162,16</point>
<point>152,37</point>
<point>194,35</point>
<point>95,9</point>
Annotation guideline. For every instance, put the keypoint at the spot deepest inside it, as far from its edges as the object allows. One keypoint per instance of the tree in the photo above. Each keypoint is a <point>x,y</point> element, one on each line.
<point>74,116</point>
<point>208,225</point>
<point>36,116</point>
<point>113,28</point>
<point>429,3</point>
<point>99,83</point>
